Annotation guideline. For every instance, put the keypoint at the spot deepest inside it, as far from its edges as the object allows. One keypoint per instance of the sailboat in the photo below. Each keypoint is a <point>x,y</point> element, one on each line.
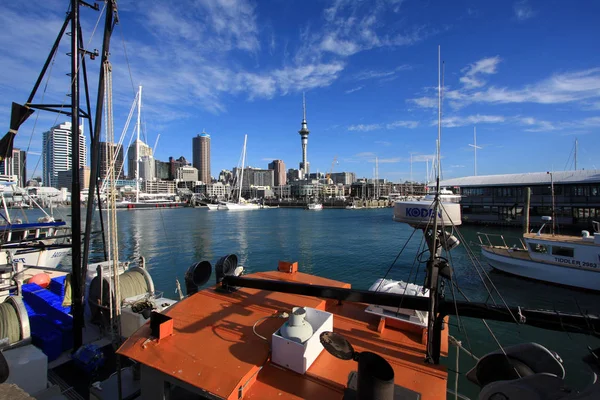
<point>241,204</point>
<point>147,202</point>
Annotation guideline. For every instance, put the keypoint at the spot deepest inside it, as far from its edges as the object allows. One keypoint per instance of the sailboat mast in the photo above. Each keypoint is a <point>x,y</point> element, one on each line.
<point>77,276</point>
<point>242,174</point>
<point>475,147</point>
<point>575,154</point>
<point>137,147</point>
<point>432,278</point>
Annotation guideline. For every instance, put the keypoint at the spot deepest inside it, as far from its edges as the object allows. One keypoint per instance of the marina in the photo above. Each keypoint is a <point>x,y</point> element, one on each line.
<point>383,294</point>
<point>331,248</point>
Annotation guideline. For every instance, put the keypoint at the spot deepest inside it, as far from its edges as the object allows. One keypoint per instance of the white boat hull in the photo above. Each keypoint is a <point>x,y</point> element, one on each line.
<point>314,207</point>
<point>239,207</point>
<point>557,274</point>
<point>47,258</point>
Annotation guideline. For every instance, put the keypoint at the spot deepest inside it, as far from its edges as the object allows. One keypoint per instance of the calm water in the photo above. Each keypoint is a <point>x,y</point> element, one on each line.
<point>355,246</point>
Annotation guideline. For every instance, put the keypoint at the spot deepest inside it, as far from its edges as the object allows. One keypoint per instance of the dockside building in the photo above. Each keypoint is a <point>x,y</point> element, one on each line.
<point>500,199</point>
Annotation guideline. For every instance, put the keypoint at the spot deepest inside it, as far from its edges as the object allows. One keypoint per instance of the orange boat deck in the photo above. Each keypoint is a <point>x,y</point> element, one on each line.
<point>214,348</point>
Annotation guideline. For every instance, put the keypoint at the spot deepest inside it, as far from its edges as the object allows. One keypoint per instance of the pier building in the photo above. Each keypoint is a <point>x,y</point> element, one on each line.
<point>500,199</point>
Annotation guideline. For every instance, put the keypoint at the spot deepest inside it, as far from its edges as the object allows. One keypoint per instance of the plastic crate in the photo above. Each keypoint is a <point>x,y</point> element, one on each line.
<point>46,337</point>
<point>57,285</point>
<point>89,358</point>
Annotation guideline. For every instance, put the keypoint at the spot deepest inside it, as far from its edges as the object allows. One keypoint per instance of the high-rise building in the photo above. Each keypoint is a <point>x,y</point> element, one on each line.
<point>15,165</point>
<point>147,171</point>
<point>304,165</point>
<point>187,173</point>
<point>133,159</point>
<point>57,152</point>
<point>66,177</point>
<point>255,177</point>
<point>201,156</point>
<point>174,164</point>
<point>345,178</point>
<point>278,167</point>
<point>161,168</point>
<point>105,149</point>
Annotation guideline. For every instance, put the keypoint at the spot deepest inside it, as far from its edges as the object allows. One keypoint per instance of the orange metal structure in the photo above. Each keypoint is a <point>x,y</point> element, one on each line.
<point>213,346</point>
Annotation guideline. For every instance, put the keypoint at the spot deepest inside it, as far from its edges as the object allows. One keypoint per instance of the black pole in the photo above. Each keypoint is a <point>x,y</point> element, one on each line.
<point>77,293</point>
<point>50,57</point>
<point>546,319</point>
<point>95,147</point>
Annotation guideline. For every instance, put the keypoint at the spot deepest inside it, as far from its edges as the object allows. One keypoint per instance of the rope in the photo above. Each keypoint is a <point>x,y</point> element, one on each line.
<point>132,283</point>
<point>455,342</point>
<point>9,323</point>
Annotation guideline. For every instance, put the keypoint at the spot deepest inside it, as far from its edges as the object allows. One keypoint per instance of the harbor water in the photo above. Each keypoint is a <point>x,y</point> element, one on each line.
<point>355,246</point>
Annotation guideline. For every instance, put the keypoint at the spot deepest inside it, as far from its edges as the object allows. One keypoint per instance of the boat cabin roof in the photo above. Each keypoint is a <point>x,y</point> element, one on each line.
<point>561,238</point>
<point>213,346</point>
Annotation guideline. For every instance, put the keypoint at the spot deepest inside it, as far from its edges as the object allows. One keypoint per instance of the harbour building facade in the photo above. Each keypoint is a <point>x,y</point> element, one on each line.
<point>105,149</point>
<point>132,158</point>
<point>57,152</point>
<point>573,197</point>
<point>201,156</point>
<point>15,165</point>
<point>278,167</point>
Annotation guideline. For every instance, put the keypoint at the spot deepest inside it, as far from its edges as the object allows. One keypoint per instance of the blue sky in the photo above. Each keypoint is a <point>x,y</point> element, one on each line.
<point>526,73</point>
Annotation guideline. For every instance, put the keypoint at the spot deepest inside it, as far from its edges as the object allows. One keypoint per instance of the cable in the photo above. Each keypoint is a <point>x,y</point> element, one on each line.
<point>278,315</point>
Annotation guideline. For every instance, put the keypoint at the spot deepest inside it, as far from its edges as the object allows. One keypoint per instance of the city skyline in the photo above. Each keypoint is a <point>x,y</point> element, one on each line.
<point>524,73</point>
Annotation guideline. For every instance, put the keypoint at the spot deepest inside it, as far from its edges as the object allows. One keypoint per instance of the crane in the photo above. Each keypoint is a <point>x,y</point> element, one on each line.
<point>155,144</point>
<point>330,170</point>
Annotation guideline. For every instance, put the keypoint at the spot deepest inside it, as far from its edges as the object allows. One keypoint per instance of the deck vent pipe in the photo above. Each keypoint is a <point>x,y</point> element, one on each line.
<point>375,377</point>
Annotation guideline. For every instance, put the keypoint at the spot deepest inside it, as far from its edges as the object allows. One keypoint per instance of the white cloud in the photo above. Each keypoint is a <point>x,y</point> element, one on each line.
<point>364,128</point>
<point>356,89</point>
<point>374,74</point>
<point>523,10</point>
<point>402,124</point>
<point>457,121</point>
<point>391,125</point>
<point>472,74</point>
<point>383,143</point>
<point>565,87</point>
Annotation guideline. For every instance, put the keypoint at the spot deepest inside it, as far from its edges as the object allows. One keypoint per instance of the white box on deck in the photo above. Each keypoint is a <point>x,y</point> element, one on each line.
<point>131,321</point>
<point>28,368</point>
<point>299,356</point>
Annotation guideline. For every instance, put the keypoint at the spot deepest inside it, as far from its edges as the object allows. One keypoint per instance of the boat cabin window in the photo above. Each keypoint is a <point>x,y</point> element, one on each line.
<point>563,251</point>
<point>538,248</point>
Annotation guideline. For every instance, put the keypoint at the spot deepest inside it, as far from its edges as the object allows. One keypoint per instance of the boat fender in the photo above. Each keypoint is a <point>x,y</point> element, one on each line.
<point>41,279</point>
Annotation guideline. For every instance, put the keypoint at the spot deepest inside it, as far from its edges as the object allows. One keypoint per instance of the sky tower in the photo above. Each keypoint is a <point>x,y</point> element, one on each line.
<point>304,165</point>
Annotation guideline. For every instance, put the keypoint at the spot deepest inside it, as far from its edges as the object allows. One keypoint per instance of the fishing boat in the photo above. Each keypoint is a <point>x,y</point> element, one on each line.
<point>560,259</point>
<point>292,335</point>
<point>59,329</point>
<point>42,243</point>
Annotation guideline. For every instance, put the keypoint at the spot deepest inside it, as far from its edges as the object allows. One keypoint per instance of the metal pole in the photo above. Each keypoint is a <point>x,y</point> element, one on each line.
<point>552,192</point>
<point>526,210</point>
<point>77,293</point>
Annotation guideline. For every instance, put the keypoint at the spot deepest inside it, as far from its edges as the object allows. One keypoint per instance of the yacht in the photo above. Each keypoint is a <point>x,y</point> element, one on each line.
<point>560,259</point>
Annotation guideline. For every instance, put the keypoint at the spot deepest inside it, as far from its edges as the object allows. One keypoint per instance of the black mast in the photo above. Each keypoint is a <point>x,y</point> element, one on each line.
<point>76,286</point>
<point>95,147</point>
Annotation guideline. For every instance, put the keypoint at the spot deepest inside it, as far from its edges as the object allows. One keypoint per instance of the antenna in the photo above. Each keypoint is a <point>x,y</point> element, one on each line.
<point>475,147</point>
<point>303,107</point>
